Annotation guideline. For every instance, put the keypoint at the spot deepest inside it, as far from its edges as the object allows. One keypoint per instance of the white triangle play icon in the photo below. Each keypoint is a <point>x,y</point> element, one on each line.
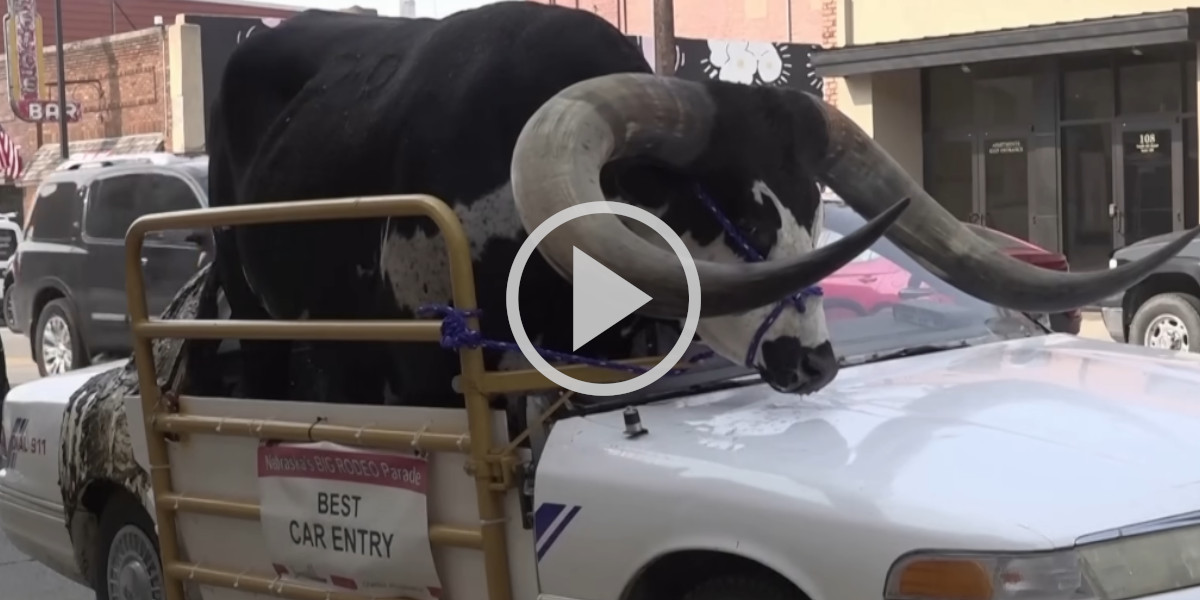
<point>599,300</point>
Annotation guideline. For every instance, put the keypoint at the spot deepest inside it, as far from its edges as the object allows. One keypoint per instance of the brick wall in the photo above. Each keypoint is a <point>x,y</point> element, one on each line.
<point>120,81</point>
<point>829,39</point>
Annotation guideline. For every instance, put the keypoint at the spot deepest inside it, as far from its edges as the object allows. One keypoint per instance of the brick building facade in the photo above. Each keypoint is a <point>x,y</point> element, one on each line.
<point>139,91</point>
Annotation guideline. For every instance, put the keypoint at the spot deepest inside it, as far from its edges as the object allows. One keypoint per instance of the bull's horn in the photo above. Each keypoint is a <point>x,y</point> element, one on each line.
<point>869,180</point>
<point>556,164</point>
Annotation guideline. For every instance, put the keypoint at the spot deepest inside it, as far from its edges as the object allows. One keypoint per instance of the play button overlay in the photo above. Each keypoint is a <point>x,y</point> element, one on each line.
<point>600,298</point>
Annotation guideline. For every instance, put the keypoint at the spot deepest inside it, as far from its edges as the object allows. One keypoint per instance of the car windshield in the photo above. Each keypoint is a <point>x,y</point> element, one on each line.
<point>879,306</point>
<point>883,302</point>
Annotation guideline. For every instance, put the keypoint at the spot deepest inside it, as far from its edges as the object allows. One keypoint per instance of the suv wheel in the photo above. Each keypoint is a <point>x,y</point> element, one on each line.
<point>1169,321</point>
<point>57,346</point>
<point>9,317</point>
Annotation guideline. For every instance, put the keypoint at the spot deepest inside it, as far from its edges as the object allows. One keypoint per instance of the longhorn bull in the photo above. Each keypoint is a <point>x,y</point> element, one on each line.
<point>512,112</point>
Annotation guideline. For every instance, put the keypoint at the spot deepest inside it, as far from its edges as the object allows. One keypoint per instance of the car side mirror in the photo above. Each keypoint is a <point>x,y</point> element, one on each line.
<point>196,237</point>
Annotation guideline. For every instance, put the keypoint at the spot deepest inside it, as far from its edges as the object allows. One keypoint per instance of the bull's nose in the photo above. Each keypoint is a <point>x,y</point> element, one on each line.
<point>795,369</point>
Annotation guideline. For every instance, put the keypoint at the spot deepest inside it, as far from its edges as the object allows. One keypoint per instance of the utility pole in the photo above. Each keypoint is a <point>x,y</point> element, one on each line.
<point>664,37</point>
<point>62,81</point>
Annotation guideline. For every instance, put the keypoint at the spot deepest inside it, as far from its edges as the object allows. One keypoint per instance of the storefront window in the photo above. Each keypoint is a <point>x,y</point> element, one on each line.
<point>1087,94</point>
<point>1004,101</point>
<point>950,103</point>
<point>1150,88</point>
<point>948,174</point>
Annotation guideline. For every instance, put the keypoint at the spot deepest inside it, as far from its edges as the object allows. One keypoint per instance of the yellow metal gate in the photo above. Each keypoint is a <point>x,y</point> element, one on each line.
<point>492,465</point>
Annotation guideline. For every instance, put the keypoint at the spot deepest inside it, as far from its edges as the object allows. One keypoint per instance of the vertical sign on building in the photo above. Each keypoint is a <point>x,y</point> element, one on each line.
<point>26,67</point>
<point>23,56</point>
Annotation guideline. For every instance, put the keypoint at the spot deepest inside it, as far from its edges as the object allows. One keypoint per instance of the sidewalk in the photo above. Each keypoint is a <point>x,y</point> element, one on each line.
<point>1093,328</point>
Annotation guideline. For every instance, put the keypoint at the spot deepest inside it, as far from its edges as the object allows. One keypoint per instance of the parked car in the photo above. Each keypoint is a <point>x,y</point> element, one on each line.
<point>10,240</point>
<point>962,452</point>
<point>1163,311</point>
<point>68,289</point>
<point>871,282</point>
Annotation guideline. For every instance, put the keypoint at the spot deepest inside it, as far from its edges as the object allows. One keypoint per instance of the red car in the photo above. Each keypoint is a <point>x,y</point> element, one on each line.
<point>871,282</point>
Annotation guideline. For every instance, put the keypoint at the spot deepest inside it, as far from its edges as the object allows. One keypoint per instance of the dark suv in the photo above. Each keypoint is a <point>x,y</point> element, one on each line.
<point>68,289</point>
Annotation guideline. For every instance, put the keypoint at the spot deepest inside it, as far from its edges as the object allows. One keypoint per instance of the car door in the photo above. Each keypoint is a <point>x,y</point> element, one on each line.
<point>111,207</point>
<point>170,258</point>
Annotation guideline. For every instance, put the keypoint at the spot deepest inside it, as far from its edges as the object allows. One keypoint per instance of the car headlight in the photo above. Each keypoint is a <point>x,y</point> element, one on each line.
<point>1118,569</point>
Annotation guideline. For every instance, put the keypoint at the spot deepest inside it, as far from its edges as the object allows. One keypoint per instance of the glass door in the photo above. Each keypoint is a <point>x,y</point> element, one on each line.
<point>1088,221</point>
<point>1004,189</point>
<point>1150,180</point>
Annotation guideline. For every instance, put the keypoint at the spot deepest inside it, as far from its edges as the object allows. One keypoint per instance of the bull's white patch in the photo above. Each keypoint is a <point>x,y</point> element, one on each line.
<point>417,266</point>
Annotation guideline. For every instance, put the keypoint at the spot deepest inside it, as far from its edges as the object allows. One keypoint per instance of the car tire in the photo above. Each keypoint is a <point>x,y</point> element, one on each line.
<point>1170,321</point>
<point>128,561</point>
<point>68,351</point>
<point>8,314</point>
<point>744,587</point>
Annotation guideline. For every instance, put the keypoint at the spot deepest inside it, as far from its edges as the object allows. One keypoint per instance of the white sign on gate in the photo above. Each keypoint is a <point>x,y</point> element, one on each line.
<point>349,518</point>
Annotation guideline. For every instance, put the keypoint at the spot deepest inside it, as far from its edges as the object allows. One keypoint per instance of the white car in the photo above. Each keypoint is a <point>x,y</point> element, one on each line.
<point>31,506</point>
<point>962,453</point>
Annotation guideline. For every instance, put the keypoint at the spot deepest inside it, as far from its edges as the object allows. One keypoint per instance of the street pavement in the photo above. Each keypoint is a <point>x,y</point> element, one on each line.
<point>23,579</point>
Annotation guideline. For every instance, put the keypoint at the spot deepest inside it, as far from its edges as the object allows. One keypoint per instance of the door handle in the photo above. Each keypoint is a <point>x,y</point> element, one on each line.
<point>868,279</point>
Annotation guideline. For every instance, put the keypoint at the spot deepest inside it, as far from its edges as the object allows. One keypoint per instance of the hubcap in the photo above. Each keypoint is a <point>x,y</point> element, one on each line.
<point>56,346</point>
<point>1167,332</point>
<point>134,572</point>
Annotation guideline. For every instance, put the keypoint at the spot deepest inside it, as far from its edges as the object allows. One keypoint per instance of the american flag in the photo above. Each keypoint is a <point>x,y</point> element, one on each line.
<point>10,158</point>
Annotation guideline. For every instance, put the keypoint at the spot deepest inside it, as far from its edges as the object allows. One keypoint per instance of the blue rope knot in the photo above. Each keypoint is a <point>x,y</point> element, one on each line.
<point>456,332</point>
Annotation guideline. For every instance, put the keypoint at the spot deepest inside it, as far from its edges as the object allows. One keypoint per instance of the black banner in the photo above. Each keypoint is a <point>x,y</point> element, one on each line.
<point>218,37</point>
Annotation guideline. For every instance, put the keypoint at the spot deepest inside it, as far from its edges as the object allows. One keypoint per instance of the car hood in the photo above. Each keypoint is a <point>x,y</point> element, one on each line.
<point>1026,443</point>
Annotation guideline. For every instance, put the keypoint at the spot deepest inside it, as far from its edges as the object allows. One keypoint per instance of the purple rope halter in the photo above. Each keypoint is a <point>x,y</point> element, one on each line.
<point>456,333</point>
<point>747,253</point>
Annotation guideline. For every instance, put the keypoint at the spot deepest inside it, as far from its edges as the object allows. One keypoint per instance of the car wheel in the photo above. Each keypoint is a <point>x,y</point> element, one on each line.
<point>56,341</point>
<point>9,315</point>
<point>1169,321</point>
<point>129,567</point>
<point>744,587</point>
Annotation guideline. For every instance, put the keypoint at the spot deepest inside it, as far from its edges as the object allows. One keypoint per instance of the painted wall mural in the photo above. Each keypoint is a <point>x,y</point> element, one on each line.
<point>741,61</point>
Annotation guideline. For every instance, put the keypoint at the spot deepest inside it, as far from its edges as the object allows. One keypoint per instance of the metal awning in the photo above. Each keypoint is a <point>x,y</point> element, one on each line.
<point>1146,29</point>
<point>48,157</point>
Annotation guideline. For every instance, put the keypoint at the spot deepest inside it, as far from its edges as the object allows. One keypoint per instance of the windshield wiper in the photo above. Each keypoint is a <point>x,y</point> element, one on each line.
<point>913,351</point>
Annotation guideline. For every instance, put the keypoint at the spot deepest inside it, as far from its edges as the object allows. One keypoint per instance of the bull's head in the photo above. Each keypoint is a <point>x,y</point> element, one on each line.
<point>700,132</point>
